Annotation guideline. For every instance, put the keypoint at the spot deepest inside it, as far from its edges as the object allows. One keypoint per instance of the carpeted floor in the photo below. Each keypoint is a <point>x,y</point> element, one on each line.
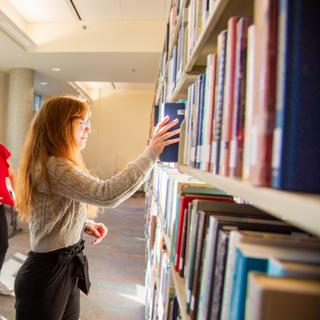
<point>116,266</point>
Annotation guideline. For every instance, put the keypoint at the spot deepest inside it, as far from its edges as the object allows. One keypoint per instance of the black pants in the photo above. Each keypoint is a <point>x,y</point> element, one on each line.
<point>46,286</point>
<point>3,235</point>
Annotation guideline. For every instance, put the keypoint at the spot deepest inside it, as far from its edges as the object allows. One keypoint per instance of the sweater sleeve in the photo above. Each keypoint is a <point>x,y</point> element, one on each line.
<point>69,181</point>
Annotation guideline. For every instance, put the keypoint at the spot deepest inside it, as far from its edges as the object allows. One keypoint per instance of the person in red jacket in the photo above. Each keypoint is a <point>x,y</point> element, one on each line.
<point>6,197</point>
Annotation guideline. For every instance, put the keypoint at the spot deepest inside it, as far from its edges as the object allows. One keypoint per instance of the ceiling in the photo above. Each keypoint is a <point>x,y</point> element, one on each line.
<point>115,41</point>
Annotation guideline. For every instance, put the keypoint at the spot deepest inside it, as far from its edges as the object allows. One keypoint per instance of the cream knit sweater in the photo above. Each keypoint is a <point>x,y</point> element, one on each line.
<point>57,220</point>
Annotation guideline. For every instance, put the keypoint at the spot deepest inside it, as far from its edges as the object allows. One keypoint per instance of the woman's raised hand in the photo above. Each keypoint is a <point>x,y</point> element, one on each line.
<point>161,136</point>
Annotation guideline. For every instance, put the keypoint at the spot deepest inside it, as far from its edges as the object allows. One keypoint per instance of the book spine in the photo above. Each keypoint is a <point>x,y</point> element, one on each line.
<point>201,89</point>
<point>206,119</point>
<point>282,74</point>
<point>265,19</point>
<point>219,273</point>
<point>237,135</point>
<point>250,84</point>
<point>212,91</point>
<point>228,103</point>
<point>219,97</point>
<point>298,132</point>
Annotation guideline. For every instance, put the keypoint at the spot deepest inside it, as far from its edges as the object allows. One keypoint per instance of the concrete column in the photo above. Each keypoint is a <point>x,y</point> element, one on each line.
<point>19,116</point>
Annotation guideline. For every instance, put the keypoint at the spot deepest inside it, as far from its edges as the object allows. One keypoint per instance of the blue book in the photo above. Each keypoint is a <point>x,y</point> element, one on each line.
<point>202,82</point>
<point>173,110</point>
<point>296,149</point>
<point>280,268</point>
<point>243,265</point>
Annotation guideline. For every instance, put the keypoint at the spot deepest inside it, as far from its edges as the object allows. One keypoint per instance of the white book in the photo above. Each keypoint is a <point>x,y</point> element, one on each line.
<point>247,147</point>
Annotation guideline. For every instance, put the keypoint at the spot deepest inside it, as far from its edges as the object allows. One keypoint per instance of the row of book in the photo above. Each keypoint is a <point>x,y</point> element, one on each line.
<point>254,113</point>
<point>183,29</point>
<point>237,262</point>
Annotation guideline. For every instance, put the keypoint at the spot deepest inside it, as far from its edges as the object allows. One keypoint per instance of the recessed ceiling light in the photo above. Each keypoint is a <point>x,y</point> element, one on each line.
<point>43,83</point>
<point>56,69</point>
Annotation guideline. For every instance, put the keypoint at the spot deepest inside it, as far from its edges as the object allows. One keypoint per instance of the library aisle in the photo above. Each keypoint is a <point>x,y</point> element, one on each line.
<point>116,266</point>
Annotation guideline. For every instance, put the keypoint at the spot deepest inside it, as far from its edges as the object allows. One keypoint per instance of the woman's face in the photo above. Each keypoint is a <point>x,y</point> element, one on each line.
<point>81,129</point>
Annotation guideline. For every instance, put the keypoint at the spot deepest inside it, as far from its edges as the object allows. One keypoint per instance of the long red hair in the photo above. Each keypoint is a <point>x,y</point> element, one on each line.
<point>50,134</point>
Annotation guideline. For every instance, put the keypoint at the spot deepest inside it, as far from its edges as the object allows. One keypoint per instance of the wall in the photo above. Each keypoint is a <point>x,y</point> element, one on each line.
<point>120,126</point>
<point>4,80</point>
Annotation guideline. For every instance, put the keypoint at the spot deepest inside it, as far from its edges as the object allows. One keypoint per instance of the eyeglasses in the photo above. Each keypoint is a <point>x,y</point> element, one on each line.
<point>85,124</point>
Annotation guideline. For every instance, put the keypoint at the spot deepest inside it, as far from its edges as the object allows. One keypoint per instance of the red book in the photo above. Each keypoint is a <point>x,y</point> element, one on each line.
<point>237,136</point>
<point>266,21</point>
<point>228,97</point>
<point>184,201</point>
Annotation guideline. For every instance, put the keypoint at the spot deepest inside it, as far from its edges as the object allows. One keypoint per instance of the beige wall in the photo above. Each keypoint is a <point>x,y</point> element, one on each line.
<point>4,80</point>
<point>120,126</point>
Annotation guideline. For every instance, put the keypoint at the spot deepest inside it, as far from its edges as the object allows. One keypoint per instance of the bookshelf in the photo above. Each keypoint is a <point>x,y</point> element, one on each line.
<point>299,209</point>
<point>215,23</point>
<point>180,291</point>
<point>296,208</point>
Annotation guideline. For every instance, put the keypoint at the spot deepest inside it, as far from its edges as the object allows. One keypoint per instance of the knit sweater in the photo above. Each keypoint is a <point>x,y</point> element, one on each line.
<point>57,219</point>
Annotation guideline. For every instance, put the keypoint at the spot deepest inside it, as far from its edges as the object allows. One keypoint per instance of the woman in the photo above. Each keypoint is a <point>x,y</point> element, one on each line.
<point>6,178</point>
<point>54,193</point>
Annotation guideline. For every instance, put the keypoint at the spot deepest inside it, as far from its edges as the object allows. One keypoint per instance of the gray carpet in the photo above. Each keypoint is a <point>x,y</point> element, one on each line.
<point>116,266</point>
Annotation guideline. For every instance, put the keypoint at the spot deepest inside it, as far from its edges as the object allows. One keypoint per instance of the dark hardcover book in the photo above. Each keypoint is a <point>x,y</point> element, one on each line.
<point>173,110</point>
<point>296,152</point>
<point>155,115</point>
<point>219,273</point>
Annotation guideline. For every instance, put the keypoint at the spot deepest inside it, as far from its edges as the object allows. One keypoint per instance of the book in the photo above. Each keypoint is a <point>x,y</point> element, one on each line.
<point>238,116</point>
<point>207,127</point>
<point>155,115</point>
<point>226,221</point>
<point>265,20</point>
<point>248,105</point>
<point>174,111</point>
<point>219,98</point>
<point>293,269</point>
<point>200,102</point>
<point>273,298</point>
<point>283,236</point>
<point>184,201</point>
<point>228,102</point>
<point>296,148</point>
<point>194,284</point>
<point>254,257</point>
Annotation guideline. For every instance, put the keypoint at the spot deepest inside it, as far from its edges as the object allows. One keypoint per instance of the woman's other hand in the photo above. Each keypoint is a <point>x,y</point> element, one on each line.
<point>96,230</point>
<point>161,136</point>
